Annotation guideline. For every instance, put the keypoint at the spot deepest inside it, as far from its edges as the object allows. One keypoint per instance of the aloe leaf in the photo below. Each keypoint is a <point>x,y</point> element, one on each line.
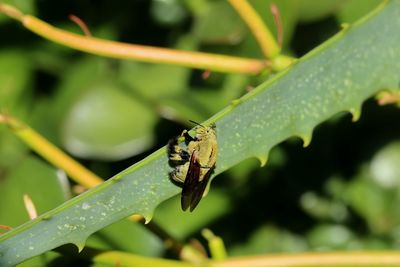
<point>337,76</point>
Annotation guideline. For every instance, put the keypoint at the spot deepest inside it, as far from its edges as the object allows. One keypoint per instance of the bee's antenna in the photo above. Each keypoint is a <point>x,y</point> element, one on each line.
<point>197,123</point>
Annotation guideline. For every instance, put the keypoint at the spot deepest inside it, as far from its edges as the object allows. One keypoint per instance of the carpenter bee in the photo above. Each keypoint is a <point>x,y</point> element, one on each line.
<point>194,164</point>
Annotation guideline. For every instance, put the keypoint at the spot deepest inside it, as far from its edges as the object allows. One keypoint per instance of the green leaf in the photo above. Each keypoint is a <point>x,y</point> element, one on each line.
<point>214,206</point>
<point>337,76</point>
<point>36,178</point>
<point>141,77</point>
<point>130,237</point>
<point>269,238</point>
<point>219,24</point>
<point>41,260</point>
<point>201,103</point>
<point>310,10</point>
<point>331,236</point>
<point>385,168</point>
<point>107,123</point>
<point>15,77</point>
<point>11,148</point>
<point>374,191</point>
<point>99,118</point>
<point>168,12</point>
<point>353,10</point>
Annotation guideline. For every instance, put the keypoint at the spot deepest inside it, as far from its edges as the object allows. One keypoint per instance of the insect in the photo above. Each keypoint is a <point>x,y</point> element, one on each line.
<point>194,165</point>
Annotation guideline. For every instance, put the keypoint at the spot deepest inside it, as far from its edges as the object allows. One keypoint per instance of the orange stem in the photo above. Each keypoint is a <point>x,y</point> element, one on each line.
<point>257,26</point>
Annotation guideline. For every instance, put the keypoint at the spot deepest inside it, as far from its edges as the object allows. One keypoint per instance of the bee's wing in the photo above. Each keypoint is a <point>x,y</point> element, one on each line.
<point>193,189</point>
<point>191,182</point>
<point>197,194</point>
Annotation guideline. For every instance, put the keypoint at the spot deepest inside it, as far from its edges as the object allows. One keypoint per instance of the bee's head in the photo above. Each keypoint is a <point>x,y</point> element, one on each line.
<point>203,131</point>
<point>202,126</point>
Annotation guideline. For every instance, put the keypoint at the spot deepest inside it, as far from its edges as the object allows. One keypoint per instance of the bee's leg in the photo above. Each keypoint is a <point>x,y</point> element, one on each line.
<point>206,167</point>
<point>185,156</point>
<point>179,173</point>
<point>187,136</point>
<point>176,153</point>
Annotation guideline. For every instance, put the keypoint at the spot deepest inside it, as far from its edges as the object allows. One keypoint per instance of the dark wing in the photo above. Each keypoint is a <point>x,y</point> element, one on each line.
<point>197,194</point>
<point>191,182</point>
<point>193,189</point>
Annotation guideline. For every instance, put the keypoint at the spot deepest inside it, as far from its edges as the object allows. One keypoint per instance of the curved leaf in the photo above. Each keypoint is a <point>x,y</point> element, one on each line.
<point>337,76</point>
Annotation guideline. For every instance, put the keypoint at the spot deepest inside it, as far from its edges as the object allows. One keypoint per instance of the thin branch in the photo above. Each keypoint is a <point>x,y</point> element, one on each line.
<point>119,258</point>
<point>11,11</point>
<point>263,35</point>
<point>30,207</point>
<point>199,60</point>
<point>215,244</point>
<point>5,227</point>
<point>360,259</point>
<point>278,22</point>
<point>81,25</point>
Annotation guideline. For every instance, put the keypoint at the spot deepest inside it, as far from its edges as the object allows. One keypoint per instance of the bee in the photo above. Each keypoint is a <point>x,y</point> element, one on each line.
<point>194,164</point>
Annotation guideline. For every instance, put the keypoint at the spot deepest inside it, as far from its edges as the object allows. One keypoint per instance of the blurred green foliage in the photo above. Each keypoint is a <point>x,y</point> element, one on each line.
<point>340,193</point>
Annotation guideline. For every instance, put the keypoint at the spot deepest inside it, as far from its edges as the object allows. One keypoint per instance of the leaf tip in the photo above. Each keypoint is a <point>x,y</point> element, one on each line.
<point>117,178</point>
<point>345,26</point>
<point>306,139</point>
<point>46,217</point>
<point>147,217</point>
<point>80,244</point>
<point>263,160</point>
<point>356,114</point>
<point>235,102</point>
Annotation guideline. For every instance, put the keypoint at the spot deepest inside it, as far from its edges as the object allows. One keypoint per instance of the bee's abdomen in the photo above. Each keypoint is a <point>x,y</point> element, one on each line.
<point>176,153</point>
